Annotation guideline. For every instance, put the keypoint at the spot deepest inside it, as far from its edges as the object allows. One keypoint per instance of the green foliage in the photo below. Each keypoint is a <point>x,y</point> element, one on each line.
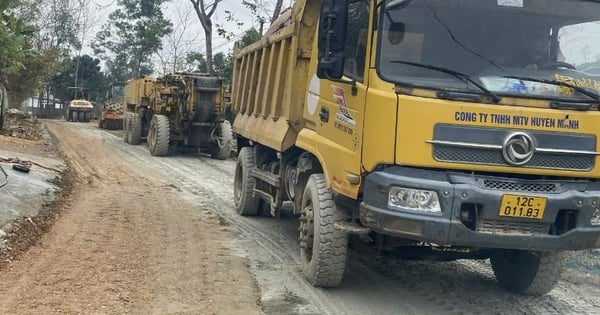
<point>198,61</point>
<point>249,37</point>
<point>89,77</point>
<point>223,65</point>
<point>14,36</point>
<point>132,34</point>
<point>35,73</point>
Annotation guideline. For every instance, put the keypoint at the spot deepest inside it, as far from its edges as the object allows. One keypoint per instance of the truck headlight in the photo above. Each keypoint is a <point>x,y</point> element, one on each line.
<point>414,199</point>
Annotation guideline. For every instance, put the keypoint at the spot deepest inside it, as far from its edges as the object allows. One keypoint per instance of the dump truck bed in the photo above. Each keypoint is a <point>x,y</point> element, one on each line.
<point>270,81</point>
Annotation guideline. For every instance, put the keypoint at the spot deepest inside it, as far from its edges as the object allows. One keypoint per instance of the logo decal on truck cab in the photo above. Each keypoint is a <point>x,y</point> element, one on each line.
<point>343,114</point>
<point>518,148</point>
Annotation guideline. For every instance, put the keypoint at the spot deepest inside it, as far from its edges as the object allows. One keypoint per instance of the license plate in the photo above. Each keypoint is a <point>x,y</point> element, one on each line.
<point>522,206</point>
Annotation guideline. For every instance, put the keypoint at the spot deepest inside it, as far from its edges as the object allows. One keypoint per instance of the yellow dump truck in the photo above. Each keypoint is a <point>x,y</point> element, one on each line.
<point>441,128</point>
<point>181,110</point>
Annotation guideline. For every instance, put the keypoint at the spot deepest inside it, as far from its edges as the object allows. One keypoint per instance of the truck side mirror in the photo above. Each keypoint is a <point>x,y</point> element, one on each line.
<point>332,39</point>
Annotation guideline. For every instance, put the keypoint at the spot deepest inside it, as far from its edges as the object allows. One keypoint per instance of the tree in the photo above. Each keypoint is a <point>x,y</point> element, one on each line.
<point>23,66</point>
<point>250,36</point>
<point>224,66</point>
<point>133,34</point>
<point>179,42</point>
<point>87,69</point>
<point>259,9</point>
<point>14,36</point>
<point>196,61</point>
<point>53,33</point>
<point>204,11</point>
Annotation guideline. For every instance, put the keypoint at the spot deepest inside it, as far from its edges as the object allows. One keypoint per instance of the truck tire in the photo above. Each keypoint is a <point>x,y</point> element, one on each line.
<point>246,203</point>
<point>159,135</point>
<point>126,126</point>
<point>525,272</point>
<point>323,247</point>
<point>224,143</point>
<point>135,132</point>
<point>87,116</point>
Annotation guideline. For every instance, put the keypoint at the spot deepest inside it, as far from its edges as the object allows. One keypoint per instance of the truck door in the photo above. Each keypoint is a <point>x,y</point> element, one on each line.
<point>341,106</point>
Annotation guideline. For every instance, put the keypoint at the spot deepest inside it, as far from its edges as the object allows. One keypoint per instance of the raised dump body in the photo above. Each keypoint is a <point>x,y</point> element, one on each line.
<point>426,130</point>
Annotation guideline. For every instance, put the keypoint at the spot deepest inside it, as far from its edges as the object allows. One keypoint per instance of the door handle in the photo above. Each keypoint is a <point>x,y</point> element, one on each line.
<point>324,114</point>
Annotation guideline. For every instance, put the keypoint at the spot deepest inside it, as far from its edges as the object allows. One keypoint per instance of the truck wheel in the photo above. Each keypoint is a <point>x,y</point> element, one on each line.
<point>135,132</point>
<point>245,202</point>
<point>159,135</point>
<point>532,273</point>
<point>323,247</point>
<point>87,116</point>
<point>224,141</point>
<point>126,127</point>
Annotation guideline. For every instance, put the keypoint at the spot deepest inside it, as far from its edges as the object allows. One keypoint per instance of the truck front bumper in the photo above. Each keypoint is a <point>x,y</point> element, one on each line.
<point>470,211</point>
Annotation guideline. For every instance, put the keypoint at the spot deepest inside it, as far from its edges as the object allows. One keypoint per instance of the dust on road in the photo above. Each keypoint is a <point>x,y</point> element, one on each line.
<point>124,244</point>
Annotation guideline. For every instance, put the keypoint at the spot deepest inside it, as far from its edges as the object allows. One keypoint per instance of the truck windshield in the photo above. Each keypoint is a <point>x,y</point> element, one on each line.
<point>533,48</point>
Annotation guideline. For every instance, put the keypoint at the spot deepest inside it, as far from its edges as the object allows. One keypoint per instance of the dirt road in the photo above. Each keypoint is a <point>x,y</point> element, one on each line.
<point>160,235</point>
<point>124,243</point>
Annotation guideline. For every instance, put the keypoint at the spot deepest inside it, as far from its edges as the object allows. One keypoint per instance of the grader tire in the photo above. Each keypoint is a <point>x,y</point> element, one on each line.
<point>323,247</point>
<point>246,203</point>
<point>159,135</point>
<point>135,134</point>
<point>525,272</point>
<point>127,126</point>
<point>225,141</point>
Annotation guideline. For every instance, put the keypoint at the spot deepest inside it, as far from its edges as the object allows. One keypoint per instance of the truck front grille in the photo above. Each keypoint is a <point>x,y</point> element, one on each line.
<point>508,227</point>
<point>520,186</point>
<point>477,145</point>
<point>445,153</point>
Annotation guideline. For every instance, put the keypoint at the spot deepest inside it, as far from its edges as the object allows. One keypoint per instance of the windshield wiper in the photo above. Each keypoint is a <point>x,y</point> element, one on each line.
<point>581,90</point>
<point>495,98</point>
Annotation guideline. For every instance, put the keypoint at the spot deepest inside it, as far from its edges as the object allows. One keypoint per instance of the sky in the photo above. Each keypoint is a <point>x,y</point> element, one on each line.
<point>176,10</point>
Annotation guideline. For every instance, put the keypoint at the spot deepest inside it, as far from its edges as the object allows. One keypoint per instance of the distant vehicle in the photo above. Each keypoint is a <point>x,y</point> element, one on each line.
<point>181,109</point>
<point>79,108</point>
<point>111,116</point>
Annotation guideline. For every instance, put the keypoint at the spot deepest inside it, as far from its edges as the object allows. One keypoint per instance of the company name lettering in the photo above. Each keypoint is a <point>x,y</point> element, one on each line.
<point>516,120</point>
